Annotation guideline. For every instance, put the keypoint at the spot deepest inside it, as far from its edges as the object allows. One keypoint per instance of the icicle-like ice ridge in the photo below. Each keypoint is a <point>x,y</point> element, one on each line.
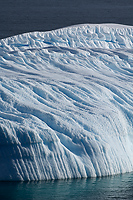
<point>66,103</point>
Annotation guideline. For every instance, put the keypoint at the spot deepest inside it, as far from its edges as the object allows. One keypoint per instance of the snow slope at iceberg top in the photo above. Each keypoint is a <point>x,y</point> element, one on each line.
<point>66,103</point>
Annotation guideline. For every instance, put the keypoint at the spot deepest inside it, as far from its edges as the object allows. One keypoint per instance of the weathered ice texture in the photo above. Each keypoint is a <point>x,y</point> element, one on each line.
<point>66,103</point>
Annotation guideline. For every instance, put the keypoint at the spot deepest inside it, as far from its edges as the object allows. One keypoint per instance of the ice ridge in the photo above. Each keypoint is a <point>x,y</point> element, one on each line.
<point>66,103</point>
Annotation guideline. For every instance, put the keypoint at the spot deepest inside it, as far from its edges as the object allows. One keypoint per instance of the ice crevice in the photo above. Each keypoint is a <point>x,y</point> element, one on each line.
<point>66,103</point>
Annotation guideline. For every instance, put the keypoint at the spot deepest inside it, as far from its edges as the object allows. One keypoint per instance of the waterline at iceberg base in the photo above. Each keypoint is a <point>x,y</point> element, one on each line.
<point>66,103</point>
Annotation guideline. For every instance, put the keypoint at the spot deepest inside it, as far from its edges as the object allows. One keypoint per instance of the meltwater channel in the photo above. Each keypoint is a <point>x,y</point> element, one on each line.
<point>113,187</point>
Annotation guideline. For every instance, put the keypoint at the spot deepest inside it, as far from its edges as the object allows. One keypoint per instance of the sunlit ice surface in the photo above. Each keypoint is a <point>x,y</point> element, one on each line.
<point>66,103</point>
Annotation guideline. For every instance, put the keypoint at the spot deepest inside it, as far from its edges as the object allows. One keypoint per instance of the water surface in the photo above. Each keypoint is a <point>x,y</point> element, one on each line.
<point>22,16</point>
<point>113,187</point>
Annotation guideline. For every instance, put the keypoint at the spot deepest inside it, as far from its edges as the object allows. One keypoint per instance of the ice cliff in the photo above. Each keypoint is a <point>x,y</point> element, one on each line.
<point>66,103</point>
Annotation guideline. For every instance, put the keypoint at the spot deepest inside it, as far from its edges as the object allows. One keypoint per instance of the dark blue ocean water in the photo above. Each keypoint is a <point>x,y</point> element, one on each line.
<point>19,16</point>
<point>106,188</point>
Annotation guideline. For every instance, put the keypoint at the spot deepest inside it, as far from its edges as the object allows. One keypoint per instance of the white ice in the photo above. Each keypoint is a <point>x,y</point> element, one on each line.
<point>66,103</point>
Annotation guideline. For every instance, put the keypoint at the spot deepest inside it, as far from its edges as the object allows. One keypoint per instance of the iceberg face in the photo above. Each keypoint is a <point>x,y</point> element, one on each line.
<point>66,103</point>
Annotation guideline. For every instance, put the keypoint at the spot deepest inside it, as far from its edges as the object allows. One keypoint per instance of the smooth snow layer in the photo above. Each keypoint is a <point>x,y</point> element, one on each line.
<point>66,103</point>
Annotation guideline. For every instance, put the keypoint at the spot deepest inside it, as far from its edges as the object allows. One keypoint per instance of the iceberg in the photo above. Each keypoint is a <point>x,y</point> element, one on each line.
<point>66,103</point>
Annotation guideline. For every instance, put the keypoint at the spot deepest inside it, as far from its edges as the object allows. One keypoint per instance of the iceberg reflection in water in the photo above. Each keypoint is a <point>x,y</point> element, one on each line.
<point>113,187</point>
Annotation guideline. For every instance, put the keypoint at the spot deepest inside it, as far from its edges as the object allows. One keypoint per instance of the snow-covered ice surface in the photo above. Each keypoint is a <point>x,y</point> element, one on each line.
<point>66,103</point>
